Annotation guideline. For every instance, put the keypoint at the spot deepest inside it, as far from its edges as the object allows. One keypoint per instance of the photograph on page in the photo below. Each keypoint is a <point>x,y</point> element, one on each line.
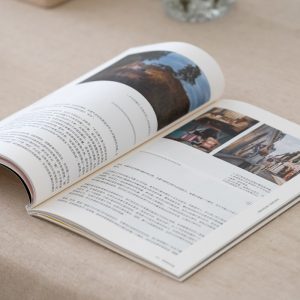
<point>266,152</point>
<point>212,129</point>
<point>171,82</point>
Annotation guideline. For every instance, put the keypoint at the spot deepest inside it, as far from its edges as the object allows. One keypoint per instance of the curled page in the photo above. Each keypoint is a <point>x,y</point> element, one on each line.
<point>86,124</point>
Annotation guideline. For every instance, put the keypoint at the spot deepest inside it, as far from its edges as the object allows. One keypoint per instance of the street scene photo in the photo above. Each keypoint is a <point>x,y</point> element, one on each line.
<point>212,129</point>
<point>171,82</point>
<point>266,152</point>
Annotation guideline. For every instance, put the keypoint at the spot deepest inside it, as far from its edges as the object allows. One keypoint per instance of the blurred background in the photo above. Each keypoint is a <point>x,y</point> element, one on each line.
<point>256,43</point>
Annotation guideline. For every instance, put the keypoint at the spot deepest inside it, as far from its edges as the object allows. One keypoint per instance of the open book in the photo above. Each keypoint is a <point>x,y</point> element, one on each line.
<point>140,156</point>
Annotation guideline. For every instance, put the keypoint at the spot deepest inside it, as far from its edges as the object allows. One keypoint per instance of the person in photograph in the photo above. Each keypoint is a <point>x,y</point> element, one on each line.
<point>266,152</point>
<point>212,129</point>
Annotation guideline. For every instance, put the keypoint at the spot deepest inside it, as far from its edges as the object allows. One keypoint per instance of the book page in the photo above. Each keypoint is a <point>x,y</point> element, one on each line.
<point>103,114</point>
<point>182,197</point>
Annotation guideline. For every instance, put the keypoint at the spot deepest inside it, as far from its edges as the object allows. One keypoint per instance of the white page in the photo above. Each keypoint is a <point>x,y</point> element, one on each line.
<point>173,204</point>
<point>91,121</point>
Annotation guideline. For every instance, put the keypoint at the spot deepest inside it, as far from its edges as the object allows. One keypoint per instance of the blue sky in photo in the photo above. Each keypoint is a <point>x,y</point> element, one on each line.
<point>288,144</point>
<point>198,93</point>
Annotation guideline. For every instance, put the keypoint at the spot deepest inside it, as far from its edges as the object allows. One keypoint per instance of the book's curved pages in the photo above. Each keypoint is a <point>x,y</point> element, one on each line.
<point>135,156</point>
<point>103,114</point>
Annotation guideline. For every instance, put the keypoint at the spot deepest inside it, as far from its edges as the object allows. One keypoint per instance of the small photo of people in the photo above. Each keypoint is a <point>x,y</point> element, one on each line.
<point>212,129</point>
<point>266,152</point>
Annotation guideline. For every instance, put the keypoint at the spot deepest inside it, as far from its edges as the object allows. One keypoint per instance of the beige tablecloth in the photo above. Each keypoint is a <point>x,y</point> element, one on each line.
<point>257,45</point>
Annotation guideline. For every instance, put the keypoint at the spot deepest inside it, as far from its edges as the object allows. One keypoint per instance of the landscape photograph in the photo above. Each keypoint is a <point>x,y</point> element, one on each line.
<point>172,83</point>
<point>212,129</point>
<point>266,152</point>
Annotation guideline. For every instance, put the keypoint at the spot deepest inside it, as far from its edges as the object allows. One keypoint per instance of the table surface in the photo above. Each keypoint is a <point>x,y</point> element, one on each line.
<point>257,45</point>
